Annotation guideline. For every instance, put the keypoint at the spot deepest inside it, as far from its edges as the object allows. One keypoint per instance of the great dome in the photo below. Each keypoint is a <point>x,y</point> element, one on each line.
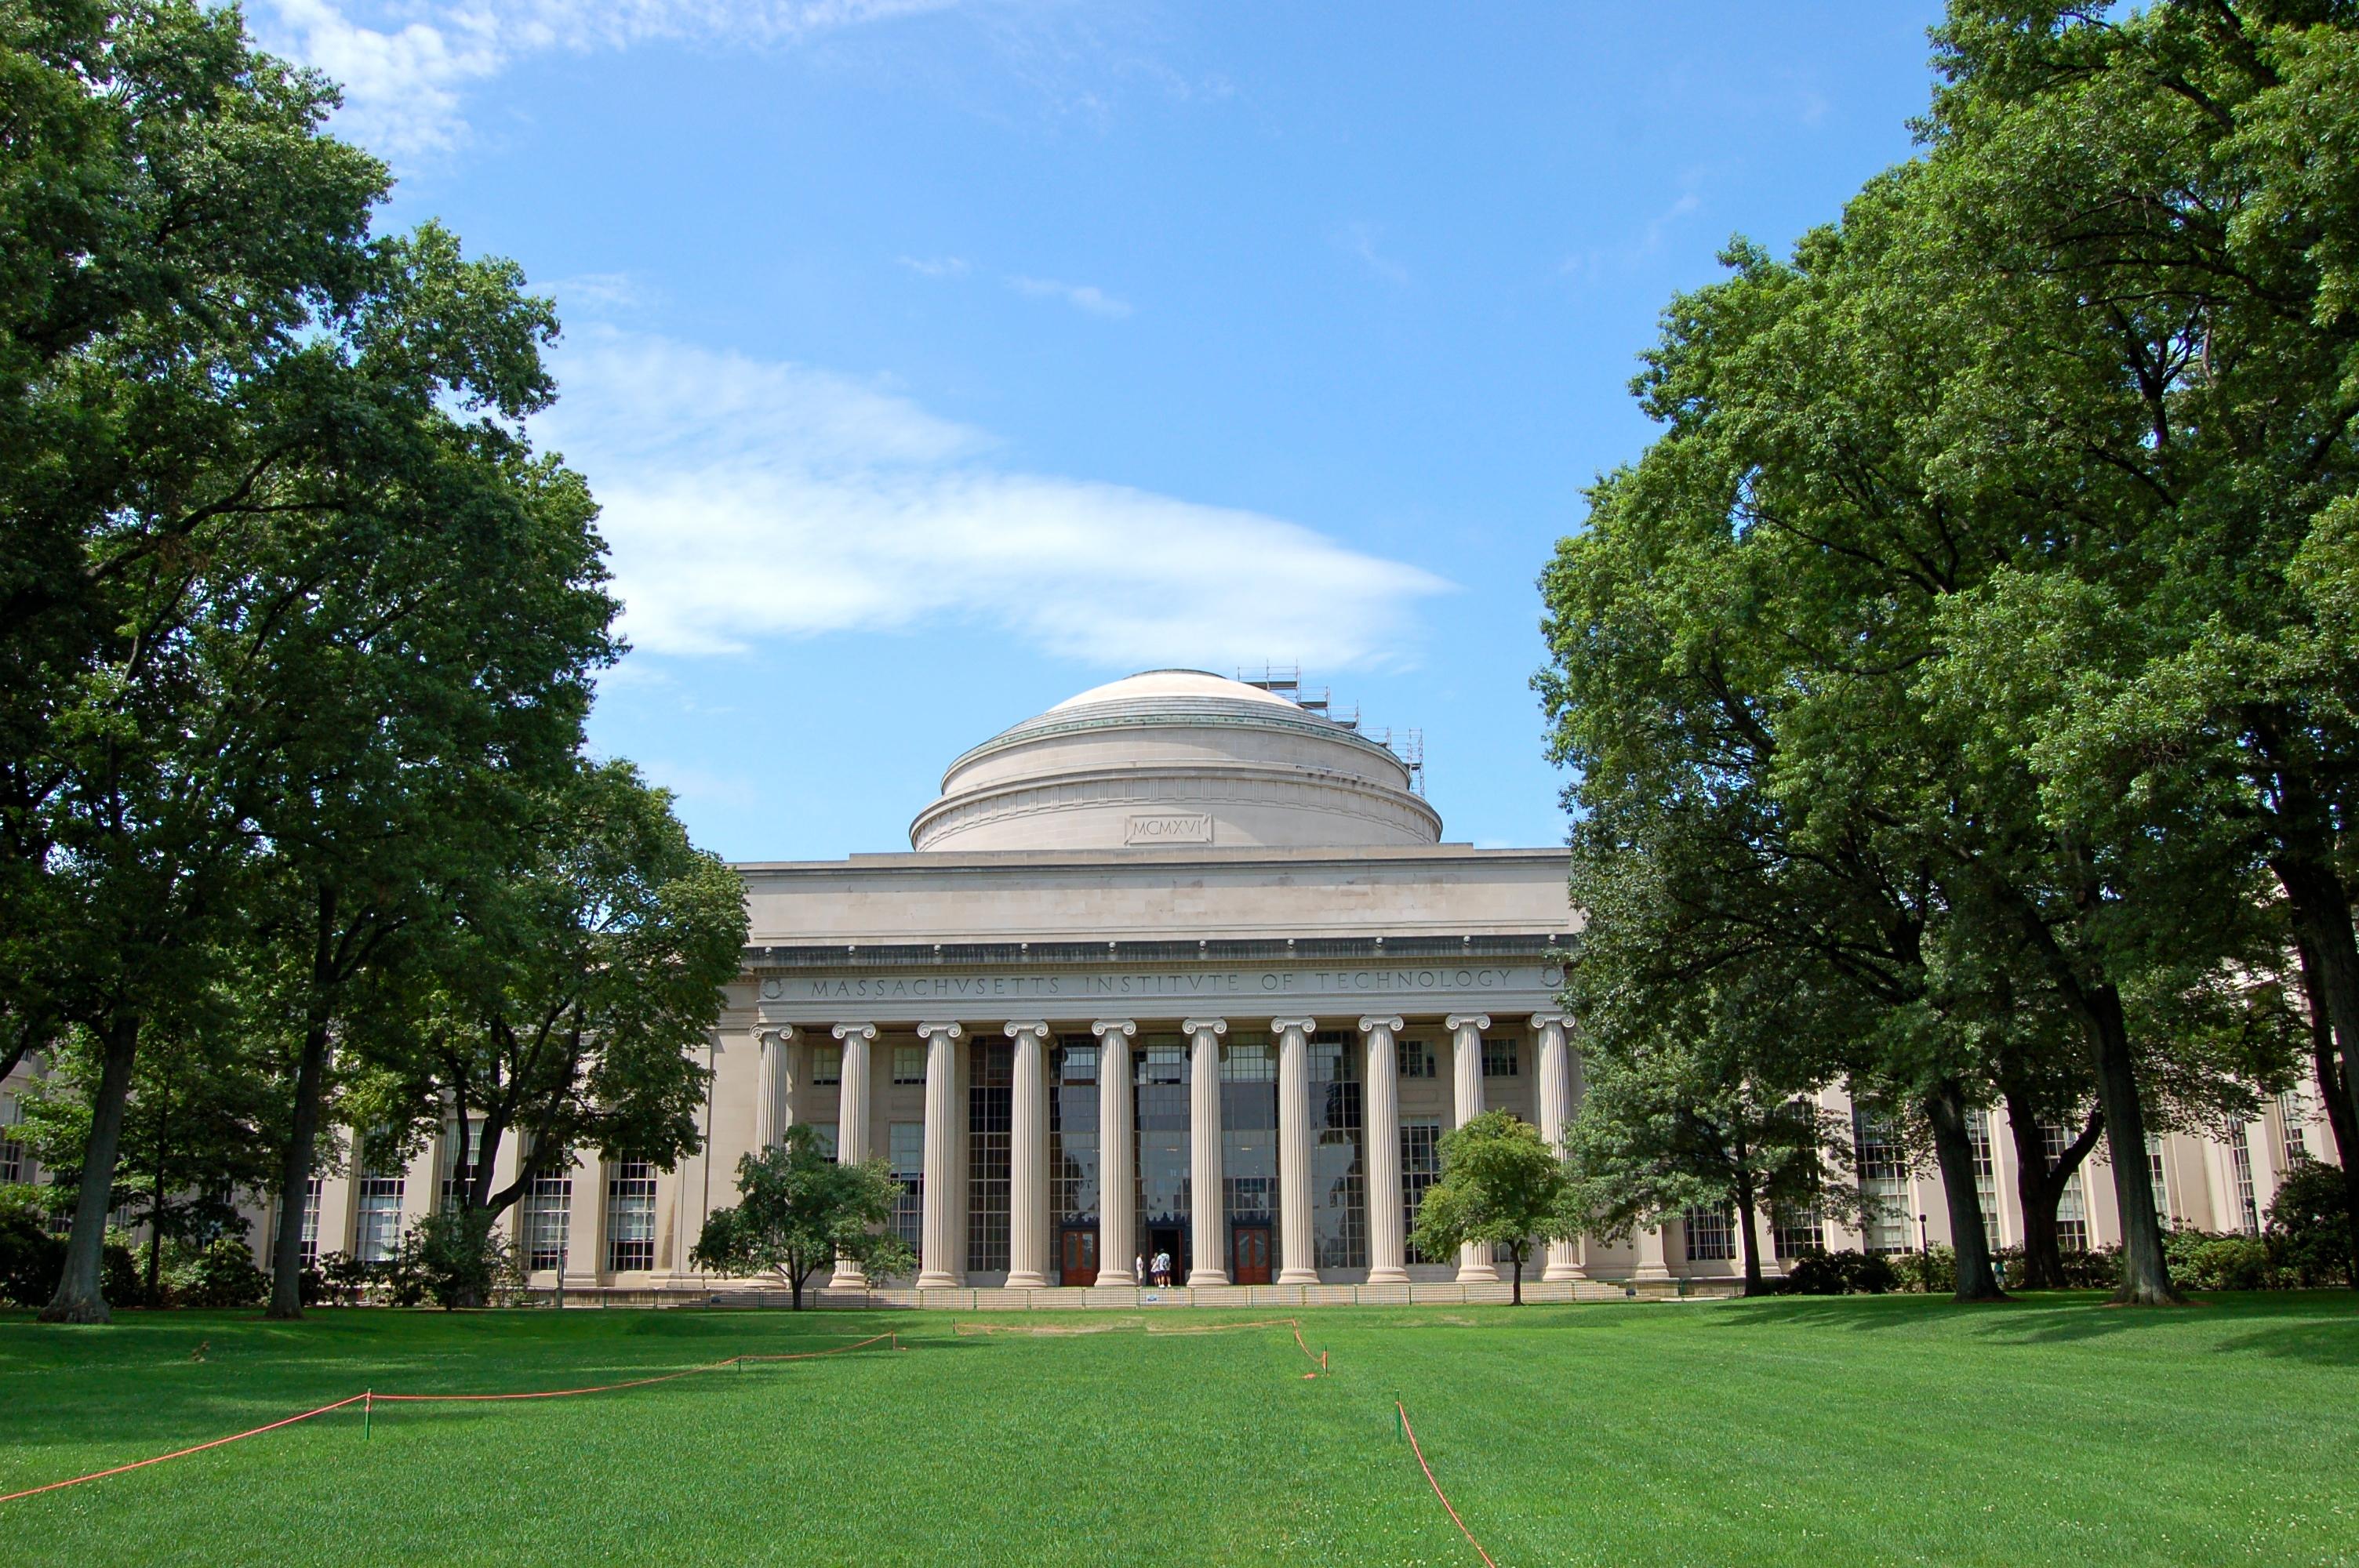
<point>1176,757</point>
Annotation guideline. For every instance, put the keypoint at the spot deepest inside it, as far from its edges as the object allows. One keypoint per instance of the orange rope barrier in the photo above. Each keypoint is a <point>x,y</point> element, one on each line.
<point>1410,1433</point>
<point>372,1396</point>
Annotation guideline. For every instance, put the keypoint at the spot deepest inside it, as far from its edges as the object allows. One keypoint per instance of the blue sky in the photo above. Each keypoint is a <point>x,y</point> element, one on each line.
<point>936,361</point>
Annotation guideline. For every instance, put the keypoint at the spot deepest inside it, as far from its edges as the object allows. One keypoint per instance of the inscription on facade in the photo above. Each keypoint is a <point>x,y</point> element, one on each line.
<point>1166,827</point>
<point>1207,985</point>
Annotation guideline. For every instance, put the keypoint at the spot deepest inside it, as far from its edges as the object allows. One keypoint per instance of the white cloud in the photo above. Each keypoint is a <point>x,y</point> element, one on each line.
<point>1086,297</point>
<point>405,65</point>
<point>936,266</point>
<point>748,500</point>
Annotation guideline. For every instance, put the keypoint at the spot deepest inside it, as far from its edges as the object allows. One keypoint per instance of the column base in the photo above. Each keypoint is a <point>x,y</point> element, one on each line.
<point>1297,1276</point>
<point>848,1277</point>
<point>939,1279</point>
<point>1200,1278</point>
<point>1389,1276</point>
<point>1027,1282</point>
<point>1478,1274</point>
<point>1650,1272</point>
<point>1115,1277</point>
<point>1563,1273</point>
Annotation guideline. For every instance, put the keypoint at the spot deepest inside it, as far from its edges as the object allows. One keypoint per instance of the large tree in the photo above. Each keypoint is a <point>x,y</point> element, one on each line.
<point>799,1211</point>
<point>1500,1185</point>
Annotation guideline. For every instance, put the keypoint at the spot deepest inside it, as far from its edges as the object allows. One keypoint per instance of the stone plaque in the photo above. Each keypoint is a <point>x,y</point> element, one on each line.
<point>1186,828</point>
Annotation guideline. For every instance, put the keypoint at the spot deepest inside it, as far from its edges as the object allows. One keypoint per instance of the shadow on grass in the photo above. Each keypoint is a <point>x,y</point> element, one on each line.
<point>2317,1326</point>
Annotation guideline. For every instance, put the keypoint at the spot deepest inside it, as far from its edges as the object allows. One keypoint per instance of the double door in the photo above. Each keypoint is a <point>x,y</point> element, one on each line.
<point>1249,1254</point>
<point>1077,1255</point>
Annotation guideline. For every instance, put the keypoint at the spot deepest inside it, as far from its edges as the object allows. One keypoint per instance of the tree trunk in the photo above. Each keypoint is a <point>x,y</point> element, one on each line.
<point>2333,1093</point>
<point>295,1178</point>
<point>2329,947</point>
<point>1953,1151</point>
<point>1748,1236</point>
<point>81,1296</point>
<point>2145,1273</point>
<point>156,1216</point>
<point>1516,1258</point>
<point>2042,1188</point>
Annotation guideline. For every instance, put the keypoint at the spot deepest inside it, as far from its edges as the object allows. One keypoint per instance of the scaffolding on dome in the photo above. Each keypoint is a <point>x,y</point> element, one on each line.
<point>1286,681</point>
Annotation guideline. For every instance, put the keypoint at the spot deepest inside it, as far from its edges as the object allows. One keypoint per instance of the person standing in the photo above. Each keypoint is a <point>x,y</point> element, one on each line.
<point>1138,1269</point>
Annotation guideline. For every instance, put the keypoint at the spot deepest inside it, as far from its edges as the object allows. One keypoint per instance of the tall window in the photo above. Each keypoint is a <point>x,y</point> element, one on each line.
<point>1882,1182</point>
<point>307,1240</point>
<point>460,1157</point>
<point>12,1152</point>
<point>1978,1138</point>
<point>2293,1140</point>
<point>1073,1132</point>
<point>905,1145</point>
<point>827,1064</point>
<point>1249,1133</point>
<point>2240,1161</point>
<point>1420,1163</point>
<point>1498,1058</point>
<point>823,1136</point>
<point>2160,1178</point>
<point>1160,1076</point>
<point>377,1221</point>
<point>549,1215</point>
<point>909,1064</point>
<point>990,1113</point>
<point>631,1216</point>
<point>1339,1193</point>
<point>1413,1058</point>
<point>1710,1234</point>
<point>2072,1203</point>
<point>1795,1230</point>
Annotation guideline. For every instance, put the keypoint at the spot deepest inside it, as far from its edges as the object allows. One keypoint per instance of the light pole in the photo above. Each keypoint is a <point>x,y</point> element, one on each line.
<point>561,1276</point>
<point>1923,1244</point>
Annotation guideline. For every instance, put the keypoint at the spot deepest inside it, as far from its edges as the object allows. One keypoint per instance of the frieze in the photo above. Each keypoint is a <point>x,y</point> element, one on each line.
<point>813,995</point>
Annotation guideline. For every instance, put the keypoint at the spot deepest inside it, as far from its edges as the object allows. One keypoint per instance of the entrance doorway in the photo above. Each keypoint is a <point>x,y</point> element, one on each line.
<point>1077,1255</point>
<point>1170,1240</point>
<point>1248,1254</point>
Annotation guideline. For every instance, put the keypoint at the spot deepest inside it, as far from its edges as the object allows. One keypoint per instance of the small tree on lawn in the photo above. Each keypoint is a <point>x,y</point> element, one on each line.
<point>800,1211</point>
<point>1499,1184</point>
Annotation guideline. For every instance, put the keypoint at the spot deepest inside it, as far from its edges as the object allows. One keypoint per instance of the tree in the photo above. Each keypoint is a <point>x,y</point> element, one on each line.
<point>1499,1184</point>
<point>575,994</point>
<point>799,1211</point>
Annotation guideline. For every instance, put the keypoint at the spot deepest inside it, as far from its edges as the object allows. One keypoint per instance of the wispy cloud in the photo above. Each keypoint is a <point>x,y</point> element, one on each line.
<point>1595,261</point>
<point>936,266</point>
<point>749,500</point>
<point>408,65</point>
<point>1086,297</point>
<point>1359,242</point>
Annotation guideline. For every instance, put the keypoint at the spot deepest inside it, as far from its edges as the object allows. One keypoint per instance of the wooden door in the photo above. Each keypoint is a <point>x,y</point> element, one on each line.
<point>1078,1260</point>
<point>1249,1254</point>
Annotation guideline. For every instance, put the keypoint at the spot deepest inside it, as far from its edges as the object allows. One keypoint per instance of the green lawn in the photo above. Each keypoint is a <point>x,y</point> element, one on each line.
<point>1792,1432</point>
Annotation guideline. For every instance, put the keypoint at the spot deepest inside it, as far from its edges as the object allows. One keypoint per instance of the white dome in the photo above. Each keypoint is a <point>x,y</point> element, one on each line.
<point>1175,757</point>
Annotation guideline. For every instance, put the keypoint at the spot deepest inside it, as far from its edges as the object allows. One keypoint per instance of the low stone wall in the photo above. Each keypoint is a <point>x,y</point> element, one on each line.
<point>1127,1297</point>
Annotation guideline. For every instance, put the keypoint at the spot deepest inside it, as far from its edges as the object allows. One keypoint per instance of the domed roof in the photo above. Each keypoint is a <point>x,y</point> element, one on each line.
<point>1171,683</point>
<point>1175,757</point>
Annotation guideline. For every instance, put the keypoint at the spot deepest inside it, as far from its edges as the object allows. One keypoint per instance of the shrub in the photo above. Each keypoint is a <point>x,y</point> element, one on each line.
<point>1933,1271</point>
<point>458,1257</point>
<point>2310,1225</point>
<point>343,1278</point>
<point>221,1275</point>
<point>1815,1272</point>
<point>30,1260</point>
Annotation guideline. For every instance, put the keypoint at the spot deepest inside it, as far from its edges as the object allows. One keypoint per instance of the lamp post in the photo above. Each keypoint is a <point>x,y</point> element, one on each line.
<point>561,1276</point>
<point>1924,1245</point>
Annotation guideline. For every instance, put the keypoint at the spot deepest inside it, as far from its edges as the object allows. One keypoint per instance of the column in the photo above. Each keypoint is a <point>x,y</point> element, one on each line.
<point>1650,1255</point>
<point>852,1128</point>
<point>942,1253</point>
<point>1387,1224</point>
<point>775,1078</point>
<point>1297,1252</point>
<point>585,1223</point>
<point>1556,1110</point>
<point>1027,1161</point>
<point>1475,1265</point>
<point>1208,1226</point>
<point>1118,1156</point>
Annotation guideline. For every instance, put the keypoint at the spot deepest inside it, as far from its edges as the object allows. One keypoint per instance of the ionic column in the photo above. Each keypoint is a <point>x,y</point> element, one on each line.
<point>942,1253</point>
<point>1208,1228</point>
<point>1475,1265</point>
<point>1027,1161</point>
<point>1387,1225</point>
<point>852,1126</point>
<point>1297,1254</point>
<point>1556,1111</point>
<point>772,1102</point>
<point>1118,1156</point>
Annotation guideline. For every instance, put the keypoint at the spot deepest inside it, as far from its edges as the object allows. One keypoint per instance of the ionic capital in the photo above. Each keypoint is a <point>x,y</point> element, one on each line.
<point>862,1031</point>
<point>1032,1027</point>
<point>1122,1026</point>
<point>1196,1026</point>
<point>1285,1025</point>
<point>1381,1025</point>
<point>1477,1022</point>
<point>1548,1020</point>
<point>947,1030</point>
<point>765,1033</point>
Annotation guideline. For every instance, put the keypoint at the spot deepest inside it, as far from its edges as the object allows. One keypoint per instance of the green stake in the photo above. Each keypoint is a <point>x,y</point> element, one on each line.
<point>368,1407</point>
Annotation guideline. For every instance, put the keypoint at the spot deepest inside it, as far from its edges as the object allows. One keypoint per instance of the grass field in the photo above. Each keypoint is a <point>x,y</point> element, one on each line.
<point>1861,1429</point>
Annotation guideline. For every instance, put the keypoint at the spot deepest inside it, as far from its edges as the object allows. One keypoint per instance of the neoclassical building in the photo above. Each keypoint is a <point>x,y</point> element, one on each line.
<point>1180,967</point>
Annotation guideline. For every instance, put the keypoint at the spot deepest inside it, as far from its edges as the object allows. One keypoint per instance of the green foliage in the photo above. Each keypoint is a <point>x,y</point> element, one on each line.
<point>454,1257</point>
<point>1815,1272</point>
<point>2310,1225</point>
<point>1500,1185</point>
<point>1931,1270</point>
<point>221,1275</point>
<point>797,1211</point>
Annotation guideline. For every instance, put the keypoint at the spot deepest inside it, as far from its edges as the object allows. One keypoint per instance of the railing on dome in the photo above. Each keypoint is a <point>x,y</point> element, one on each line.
<point>1286,681</point>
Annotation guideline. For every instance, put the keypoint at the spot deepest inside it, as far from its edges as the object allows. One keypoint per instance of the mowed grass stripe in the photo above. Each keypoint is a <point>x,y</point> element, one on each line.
<point>1784,1431</point>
